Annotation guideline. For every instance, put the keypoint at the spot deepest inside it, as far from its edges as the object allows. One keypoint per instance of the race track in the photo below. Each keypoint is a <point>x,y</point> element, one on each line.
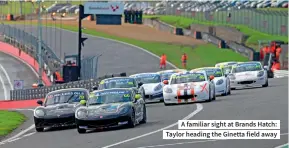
<point>13,69</point>
<point>269,103</point>
<point>249,104</point>
<point>116,58</point>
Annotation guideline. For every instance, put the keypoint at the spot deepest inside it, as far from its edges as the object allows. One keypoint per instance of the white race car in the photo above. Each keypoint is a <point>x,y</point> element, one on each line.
<point>187,87</point>
<point>222,82</point>
<point>151,86</point>
<point>248,74</point>
<point>166,74</point>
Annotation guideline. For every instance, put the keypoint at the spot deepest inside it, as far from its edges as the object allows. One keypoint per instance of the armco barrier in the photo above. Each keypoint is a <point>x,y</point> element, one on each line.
<point>36,93</point>
<point>159,25</point>
<point>9,49</point>
<point>214,40</point>
<point>243,50</point>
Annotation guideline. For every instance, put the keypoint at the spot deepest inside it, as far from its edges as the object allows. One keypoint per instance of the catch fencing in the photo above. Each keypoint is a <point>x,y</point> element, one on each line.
<point>28,43</point>
<point>269,21</point>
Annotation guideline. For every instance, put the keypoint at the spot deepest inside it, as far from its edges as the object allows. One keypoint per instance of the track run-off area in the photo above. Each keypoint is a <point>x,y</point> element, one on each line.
<point>269,103</point>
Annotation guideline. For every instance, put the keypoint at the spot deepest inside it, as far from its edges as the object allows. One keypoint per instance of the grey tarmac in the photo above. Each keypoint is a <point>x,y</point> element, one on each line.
<point>116,57</point>
<point>247,104</point>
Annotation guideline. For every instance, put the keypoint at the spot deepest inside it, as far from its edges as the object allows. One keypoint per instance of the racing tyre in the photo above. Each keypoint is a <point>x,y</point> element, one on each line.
<point>229,91</point>
<point>39,129</point>
<point>131,122</point>
<point>80,130</point>
<point>167,104</point>
<point>210,98</point>
<point>214,96</point>
<point>266,84</point>
<point>144,120</point>
<point>233,88</point>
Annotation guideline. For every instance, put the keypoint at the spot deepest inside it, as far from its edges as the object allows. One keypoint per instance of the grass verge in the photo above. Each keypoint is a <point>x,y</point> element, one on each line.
<point>252,41</point>
<point>203,55</point>
<point>10,120</point>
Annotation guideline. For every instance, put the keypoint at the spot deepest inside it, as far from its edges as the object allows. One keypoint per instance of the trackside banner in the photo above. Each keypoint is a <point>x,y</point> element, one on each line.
<point>108,8</point>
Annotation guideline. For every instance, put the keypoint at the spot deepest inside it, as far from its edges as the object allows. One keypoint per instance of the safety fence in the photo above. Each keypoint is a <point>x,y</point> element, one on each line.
<point>28,43</point>
<point>39,93</point>
<point>268,21</point>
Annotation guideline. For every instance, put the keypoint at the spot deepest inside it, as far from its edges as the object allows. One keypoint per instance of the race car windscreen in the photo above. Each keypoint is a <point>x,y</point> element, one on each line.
<point>65,97</point>
<point>247,67</point>
<point>110,96</point>
<point>186,78</point>
<point>166,76</point>
<point>117,83</point>
<point>148,78</point>
<point>214,71</point>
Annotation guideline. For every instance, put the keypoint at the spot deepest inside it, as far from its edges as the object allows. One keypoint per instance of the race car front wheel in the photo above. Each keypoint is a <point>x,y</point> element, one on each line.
<point>144,120</point>
<point>39,129</point>
<point>81,130</point>
<point>266,84</point>
<point>131,122</point>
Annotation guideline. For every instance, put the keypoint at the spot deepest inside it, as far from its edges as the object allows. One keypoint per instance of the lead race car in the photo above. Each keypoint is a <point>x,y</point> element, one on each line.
<point>221,81</point>
<point>111,108</point>
<point>151,86</point>
<point>248,74</point>
<point>166,74</point>
<point>58,108</point>
<point>187,87</point>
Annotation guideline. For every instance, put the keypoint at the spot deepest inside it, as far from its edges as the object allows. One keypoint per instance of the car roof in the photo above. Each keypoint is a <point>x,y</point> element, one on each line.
<point>144,73</point>
<point>68,89</point>
<point>205,68</point>
<point>118,78</point>
<point>189,72</point>
<point>128,89</point>
<point>171,70</point>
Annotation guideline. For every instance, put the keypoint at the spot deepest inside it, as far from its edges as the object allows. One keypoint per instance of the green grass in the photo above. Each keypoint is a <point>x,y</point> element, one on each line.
<point>274,9</point>
<point>252,41</point>
<point>203,55</point>
<point>10,120</point>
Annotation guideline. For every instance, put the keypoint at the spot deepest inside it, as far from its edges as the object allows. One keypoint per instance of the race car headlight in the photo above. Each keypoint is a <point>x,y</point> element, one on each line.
<point>220,82</point>
<point>123,110</point>
<point>168,90</point>
<point>232,77</point>
<point>260,74</point>
<point>39,113</point>
<point>82,113</point>
<point>159,87</point>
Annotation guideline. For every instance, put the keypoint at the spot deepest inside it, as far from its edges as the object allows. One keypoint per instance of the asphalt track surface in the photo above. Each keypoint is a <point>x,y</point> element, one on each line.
<point>116,57</point>
<point>269,103</point>
<point>12,69</point>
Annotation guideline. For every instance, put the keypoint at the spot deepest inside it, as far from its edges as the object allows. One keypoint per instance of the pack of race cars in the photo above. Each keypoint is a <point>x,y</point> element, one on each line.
<point>121,101</point>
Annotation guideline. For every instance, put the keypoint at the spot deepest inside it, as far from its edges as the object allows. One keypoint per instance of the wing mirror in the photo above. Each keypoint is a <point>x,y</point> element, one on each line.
<point>137,96</point>
<point>211,77</point>
<point>266,68</point>
<point>166,82</point>
<point>40,102</point>
<point>83,102</point>
<point>95,88</point>
<point>140,84</point>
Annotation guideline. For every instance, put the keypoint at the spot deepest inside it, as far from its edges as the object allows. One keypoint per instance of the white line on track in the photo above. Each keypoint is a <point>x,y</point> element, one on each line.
<point>283,145</point>
<point>21,134</point>
<point>4,88</point>
<point>199,108</point>
<point>7,76</point>
<point>193,142</point>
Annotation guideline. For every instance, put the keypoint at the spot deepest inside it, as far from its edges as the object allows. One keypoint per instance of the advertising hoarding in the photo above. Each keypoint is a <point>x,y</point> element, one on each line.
<point>101,8</point>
